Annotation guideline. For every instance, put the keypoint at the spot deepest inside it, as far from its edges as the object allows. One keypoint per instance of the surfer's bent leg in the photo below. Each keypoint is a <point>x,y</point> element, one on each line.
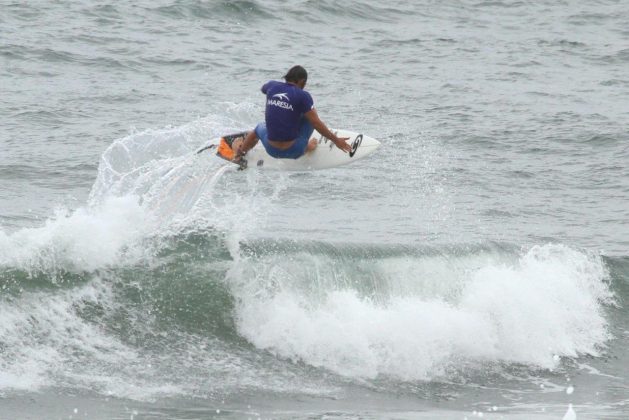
<point>263,134</point>
<point>305,131</point>
<point>312,144</point>
<point>300,145</point>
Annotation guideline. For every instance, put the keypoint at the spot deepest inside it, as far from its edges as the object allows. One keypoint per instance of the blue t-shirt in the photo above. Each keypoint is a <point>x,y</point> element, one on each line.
<point>285,106</point>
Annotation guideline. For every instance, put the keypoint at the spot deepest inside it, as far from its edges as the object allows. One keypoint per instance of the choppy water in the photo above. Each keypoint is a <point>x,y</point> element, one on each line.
<point>478,265</point>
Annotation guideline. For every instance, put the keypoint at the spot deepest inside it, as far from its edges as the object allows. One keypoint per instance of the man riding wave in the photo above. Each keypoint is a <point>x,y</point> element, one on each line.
<point>290,119</point>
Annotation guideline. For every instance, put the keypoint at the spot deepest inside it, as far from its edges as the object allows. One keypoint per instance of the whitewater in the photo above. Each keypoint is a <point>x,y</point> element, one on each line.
<point>475,266</point>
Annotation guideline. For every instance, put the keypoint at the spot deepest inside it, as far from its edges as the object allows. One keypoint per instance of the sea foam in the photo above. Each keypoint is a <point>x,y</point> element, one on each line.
<point>547,302</point>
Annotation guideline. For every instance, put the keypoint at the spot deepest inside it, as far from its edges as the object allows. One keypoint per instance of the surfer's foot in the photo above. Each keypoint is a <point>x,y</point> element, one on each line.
<point>312,144</point>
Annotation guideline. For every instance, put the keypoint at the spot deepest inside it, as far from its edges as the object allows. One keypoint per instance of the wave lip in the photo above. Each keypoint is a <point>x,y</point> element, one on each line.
<point>549,302</point>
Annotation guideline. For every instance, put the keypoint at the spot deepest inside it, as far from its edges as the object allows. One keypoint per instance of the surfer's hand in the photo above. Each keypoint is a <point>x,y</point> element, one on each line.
<point>342,144</point>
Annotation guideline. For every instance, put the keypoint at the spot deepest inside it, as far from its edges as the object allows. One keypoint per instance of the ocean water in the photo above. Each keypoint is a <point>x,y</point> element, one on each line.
<point>476,266</point>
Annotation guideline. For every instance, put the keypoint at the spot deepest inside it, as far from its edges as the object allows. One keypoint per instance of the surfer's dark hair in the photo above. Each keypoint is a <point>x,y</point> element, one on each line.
<point>296,74</point>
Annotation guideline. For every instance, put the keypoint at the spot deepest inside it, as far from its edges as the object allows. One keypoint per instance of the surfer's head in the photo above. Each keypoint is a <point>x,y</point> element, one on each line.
<point>297,75</point>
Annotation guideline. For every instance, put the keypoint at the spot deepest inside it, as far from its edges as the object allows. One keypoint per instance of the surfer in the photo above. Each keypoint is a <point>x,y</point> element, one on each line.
<point>290,119</point>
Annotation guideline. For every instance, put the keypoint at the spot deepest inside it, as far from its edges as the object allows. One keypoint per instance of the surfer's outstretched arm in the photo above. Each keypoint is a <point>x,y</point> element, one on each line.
<point>319,125</point>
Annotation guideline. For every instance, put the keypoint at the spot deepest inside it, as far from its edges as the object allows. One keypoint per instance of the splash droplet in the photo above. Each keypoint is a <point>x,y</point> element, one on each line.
<point>570,414</point>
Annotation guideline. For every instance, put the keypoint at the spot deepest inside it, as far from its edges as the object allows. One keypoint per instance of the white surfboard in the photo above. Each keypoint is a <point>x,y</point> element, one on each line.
<point>326,155</point>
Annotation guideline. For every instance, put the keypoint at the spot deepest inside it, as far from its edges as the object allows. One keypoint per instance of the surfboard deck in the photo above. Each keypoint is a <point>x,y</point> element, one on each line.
<point>325,155</point>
